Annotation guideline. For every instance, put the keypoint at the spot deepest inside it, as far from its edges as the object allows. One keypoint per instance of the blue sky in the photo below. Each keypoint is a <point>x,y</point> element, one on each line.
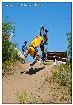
<point>53,15</point>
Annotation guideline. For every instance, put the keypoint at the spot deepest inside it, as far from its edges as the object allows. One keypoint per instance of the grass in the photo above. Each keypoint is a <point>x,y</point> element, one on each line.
<point>22,97</point>
<point>8,68</point>
<point>62,76</point>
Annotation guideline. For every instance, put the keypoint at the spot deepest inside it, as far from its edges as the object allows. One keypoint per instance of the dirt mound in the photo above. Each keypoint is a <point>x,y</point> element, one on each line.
<point>29,85</point>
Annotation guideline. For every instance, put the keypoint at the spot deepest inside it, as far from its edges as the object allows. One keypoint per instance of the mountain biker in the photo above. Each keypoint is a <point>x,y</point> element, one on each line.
<point>32,49</point>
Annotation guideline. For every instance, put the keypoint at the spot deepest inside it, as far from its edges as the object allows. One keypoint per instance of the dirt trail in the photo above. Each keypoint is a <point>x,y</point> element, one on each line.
<point>33,82</point>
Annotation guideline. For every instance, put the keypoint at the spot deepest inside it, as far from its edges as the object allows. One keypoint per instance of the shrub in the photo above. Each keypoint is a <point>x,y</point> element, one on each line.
<point>63,76</point>
<point>9,55</point>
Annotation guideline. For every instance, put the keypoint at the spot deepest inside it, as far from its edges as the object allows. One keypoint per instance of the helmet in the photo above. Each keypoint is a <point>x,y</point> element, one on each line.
<point>25,42</point>
<point>31,51</point>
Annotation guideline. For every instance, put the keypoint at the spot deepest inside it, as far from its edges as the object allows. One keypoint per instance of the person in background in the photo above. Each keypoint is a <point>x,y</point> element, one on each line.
<point>24,47</point>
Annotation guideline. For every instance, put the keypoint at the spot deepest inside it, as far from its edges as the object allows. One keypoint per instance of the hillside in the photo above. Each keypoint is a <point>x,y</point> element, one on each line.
<point>32,85</point>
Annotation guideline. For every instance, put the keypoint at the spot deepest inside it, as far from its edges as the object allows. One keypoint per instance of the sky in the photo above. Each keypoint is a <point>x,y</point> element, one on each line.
<point>28,17</point>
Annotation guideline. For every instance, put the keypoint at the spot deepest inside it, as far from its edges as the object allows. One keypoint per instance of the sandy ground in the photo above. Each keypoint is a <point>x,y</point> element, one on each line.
<point>34,83</point>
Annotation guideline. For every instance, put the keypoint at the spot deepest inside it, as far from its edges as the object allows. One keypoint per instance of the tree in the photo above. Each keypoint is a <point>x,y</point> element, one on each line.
<point>7,27</point>
<point>69,47</point>
<point>8,52</point>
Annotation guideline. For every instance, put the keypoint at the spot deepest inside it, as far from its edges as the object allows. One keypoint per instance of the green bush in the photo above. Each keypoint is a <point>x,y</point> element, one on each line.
<point>9,54</point>
<point>69,45</point>
<point>63,76</point>
<point>8,68</point>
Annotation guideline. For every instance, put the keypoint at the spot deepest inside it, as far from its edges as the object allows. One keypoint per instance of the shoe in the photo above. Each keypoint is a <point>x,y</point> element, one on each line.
<point>31,64</point>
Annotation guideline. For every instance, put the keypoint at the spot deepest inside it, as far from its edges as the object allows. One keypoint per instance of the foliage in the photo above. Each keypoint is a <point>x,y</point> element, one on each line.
<point>69,42</point>
<point>63,76</point>
<point>22,97</point>
<point>7,27</point>
<point>9,54</point>
<point>6,54</point>
<point>8,68</point>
